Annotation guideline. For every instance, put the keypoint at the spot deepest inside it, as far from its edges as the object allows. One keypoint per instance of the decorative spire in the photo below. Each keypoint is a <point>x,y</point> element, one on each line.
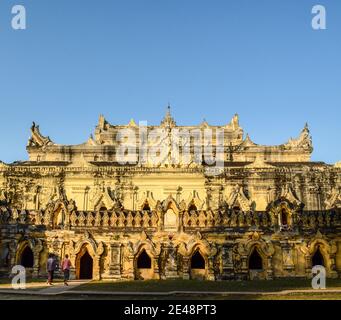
<point>37,139</point>
<point>102,122</point>
<point>204,123</point>
<point>248,141</point>
<point>303,141</point>
<point>234,124</point>
<point>168,120</point>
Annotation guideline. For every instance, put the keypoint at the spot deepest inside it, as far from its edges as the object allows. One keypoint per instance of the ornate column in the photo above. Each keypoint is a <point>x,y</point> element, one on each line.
<point>287,254</point>
<point>38,248</point>
<point>227,262</point>
<point>185,268</point>
<point>155,262</point>
<point>114,271</point>
<point>97,267</point>
<point>269,271</point>
<point>128,271</point>
<point>181,223</point>
<point>12,254</point>
<point>171,268</point>
<point>210,269</point>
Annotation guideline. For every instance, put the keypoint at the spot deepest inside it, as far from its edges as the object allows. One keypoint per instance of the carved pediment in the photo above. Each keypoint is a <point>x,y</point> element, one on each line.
<point>81,162</point>
<point>238,198</point>
<point>288,194</point>
<point>103,199</point>
<point>147,200</point>
<point>259,163</point>
<point>132,124</point>
<point>303,141</point>
<point>91,141</point>
<point>194,200</point>
<point>170,203</point>
<point>248,142</point>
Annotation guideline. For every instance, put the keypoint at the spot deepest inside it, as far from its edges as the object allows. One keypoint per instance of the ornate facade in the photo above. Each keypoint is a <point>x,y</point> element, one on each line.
<point>269,213</point>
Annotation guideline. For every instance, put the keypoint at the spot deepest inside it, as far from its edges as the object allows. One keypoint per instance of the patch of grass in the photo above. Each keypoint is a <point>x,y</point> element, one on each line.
<point>194,285</point>
<point>8,281</point>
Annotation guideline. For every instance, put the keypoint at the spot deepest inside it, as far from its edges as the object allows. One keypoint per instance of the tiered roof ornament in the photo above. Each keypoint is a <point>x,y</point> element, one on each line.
<point>234,124</point>
<point>303,141</point>
<point>168,121</point>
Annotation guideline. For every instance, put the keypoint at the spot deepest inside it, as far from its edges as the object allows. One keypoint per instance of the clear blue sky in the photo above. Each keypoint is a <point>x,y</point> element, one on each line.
<point>209,59</point>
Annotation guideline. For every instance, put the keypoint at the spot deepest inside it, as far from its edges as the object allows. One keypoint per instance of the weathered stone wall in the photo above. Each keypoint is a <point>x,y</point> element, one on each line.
<point>115,214</point>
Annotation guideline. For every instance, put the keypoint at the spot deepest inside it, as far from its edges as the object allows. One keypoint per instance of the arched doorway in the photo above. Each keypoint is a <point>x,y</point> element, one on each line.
<point>197,261</point>
<point>255,261</point>
<point>86,266</point>
<point>144,261</point>
<point>198,266</point>
<point>317,259</point>
<point>144,266</point>
<point>27,258</point>
<point>256,266</point>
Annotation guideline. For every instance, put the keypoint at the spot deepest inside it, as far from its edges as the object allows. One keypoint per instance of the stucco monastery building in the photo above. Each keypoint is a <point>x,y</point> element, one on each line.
<point>270,212</point>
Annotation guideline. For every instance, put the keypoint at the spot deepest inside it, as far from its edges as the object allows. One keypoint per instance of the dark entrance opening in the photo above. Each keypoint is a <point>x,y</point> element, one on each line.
<point>27,259</point>
<point>144,261</point>
<point>146,206</point>
<point>317,259</point>
<point>284,218</point>
<point>197,261</point>
<point>255,261</point>
<point>192,207</point>
<point>86,267</point>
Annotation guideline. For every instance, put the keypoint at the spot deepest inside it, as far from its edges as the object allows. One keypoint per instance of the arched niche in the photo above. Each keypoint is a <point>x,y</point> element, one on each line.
<point>143,265</point>
<point>85,263</point>
<point>317,258</point>
<point>255,261</point>
<point>170,220</point>
<point>27,257</point>
<point>198,265</point>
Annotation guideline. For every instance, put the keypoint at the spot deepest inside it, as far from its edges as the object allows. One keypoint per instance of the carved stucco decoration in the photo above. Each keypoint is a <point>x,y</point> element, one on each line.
<point>327,247</point>
<point>94,248</point>
<point>303,141</point>
<point>102,198</point>
<point>196,242</point>
<point>146,243</point>
<point>246,245</point>
<point>147,198</point>
<point>238,198</point>
<point>170,203</point>
<point>334,199</point>
<point>195,200</point>
<point>37,139</point>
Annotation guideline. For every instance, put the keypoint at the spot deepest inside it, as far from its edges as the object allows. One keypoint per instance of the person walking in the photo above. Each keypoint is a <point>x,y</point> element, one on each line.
<point>51,267</point>
<point>66,265</point>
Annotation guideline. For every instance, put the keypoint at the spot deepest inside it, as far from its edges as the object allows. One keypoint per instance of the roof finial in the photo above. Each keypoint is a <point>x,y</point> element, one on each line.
<point>168,119</point>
